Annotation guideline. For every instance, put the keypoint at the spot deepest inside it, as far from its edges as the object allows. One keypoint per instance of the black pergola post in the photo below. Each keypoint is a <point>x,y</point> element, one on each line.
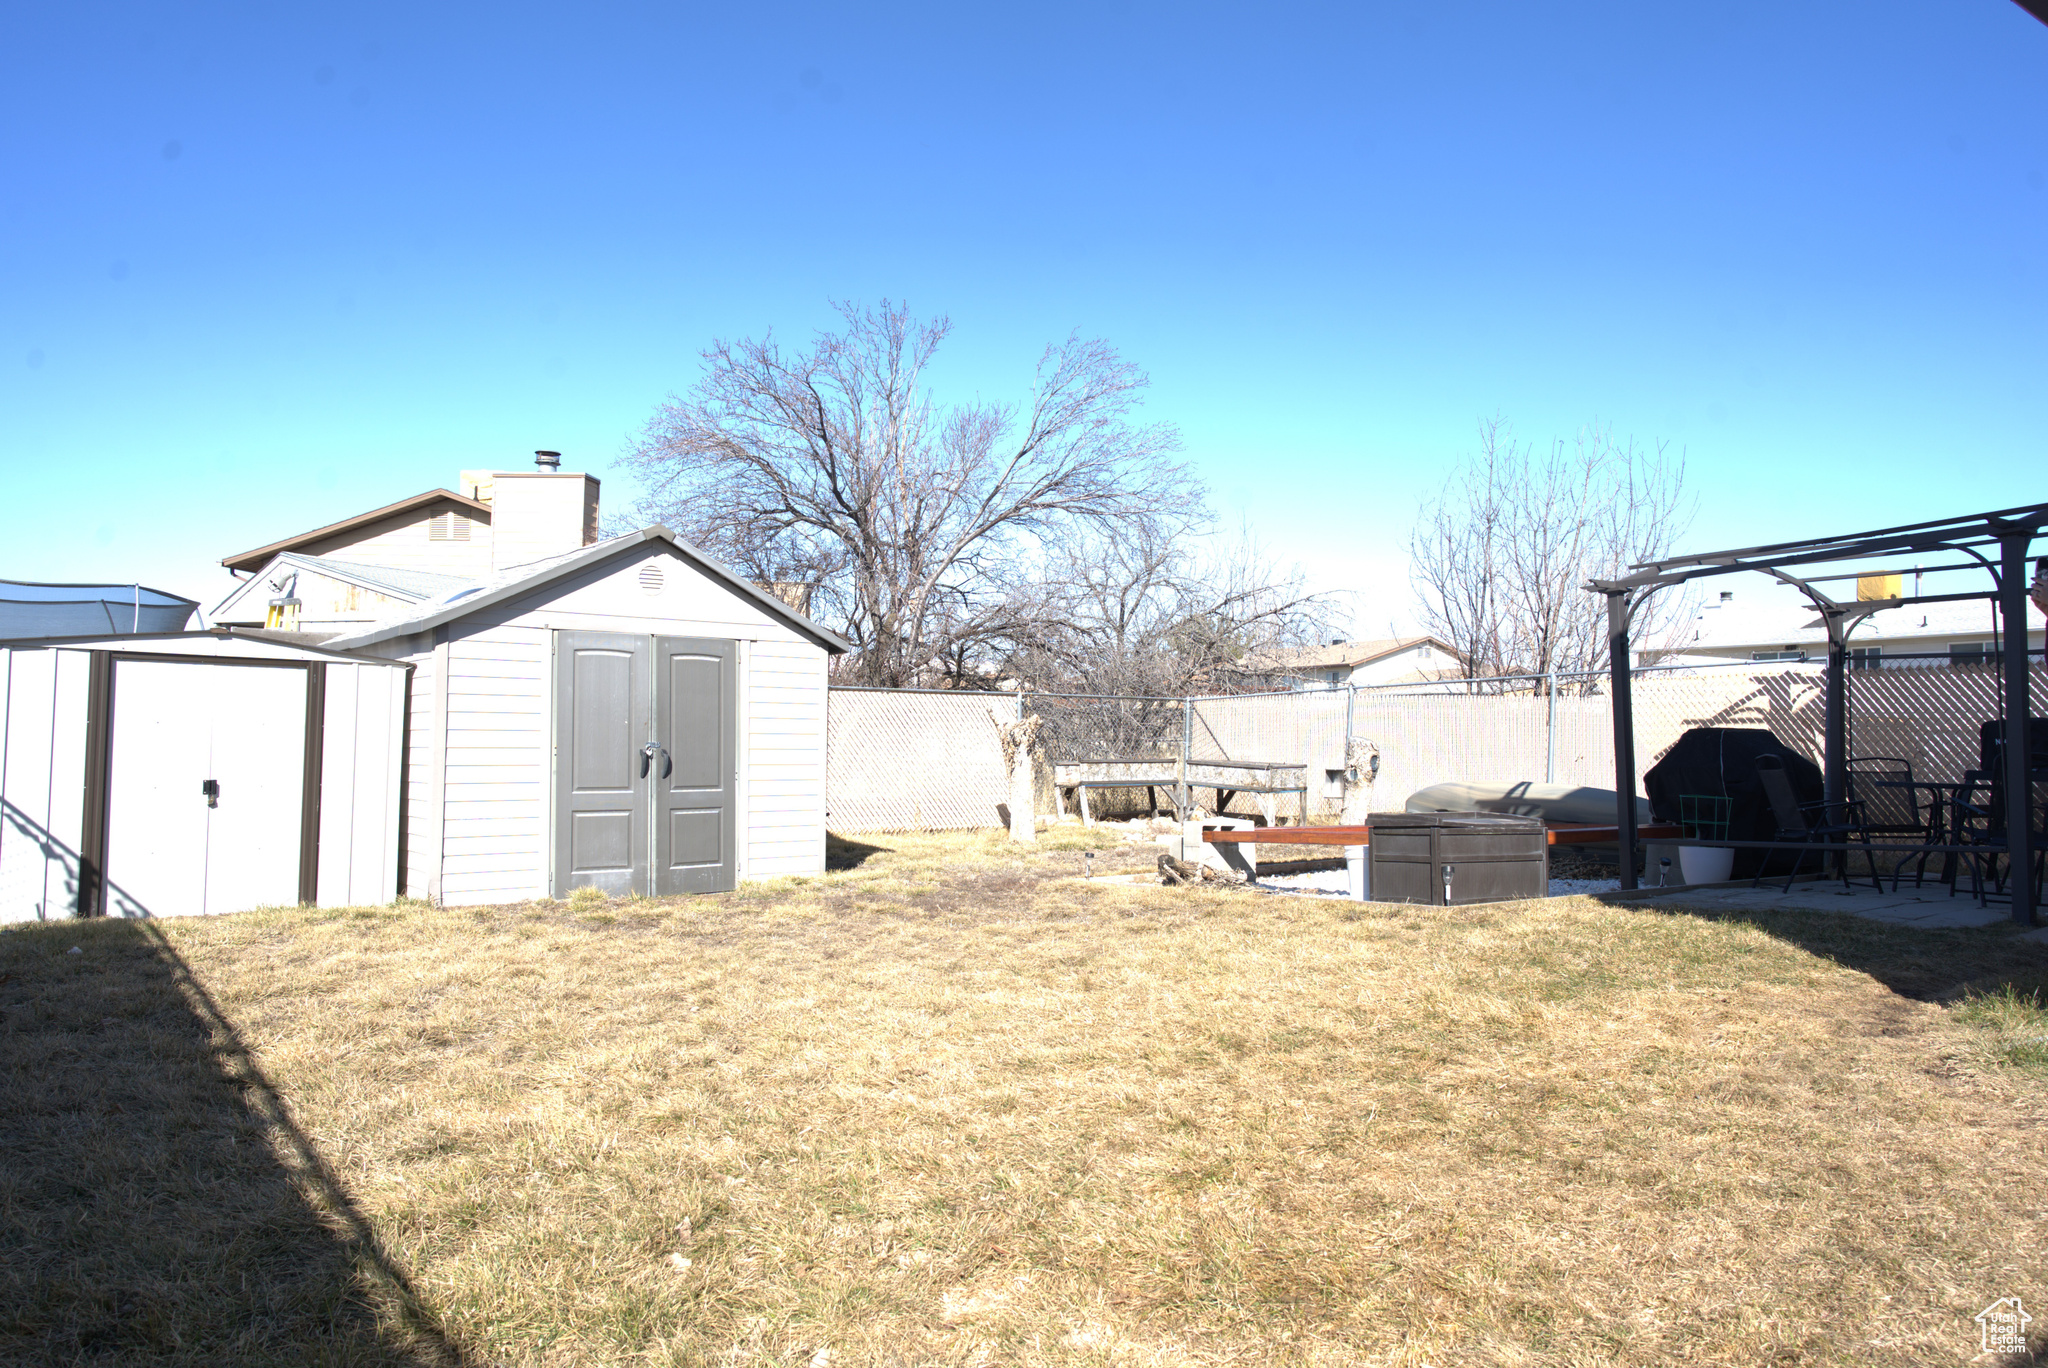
<point>1835,741</point>
<point>2019,756</point>
<point>1624,732</point>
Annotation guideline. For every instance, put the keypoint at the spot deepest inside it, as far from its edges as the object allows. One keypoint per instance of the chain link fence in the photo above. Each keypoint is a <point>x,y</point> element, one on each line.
<point>907,760</point>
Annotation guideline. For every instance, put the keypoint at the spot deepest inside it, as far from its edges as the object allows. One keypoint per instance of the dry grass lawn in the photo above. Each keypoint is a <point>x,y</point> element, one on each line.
<point>951,1105</point>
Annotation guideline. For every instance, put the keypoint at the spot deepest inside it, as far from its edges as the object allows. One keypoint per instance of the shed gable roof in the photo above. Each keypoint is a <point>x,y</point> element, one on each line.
<point>524,579</point>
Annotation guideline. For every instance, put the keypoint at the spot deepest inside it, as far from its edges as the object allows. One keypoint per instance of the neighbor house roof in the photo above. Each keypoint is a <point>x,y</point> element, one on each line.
<point>389,580</point>
<point>1784,618</point>
<point>257,559</point>
<point>1342,654</point>
<point>524,579</point>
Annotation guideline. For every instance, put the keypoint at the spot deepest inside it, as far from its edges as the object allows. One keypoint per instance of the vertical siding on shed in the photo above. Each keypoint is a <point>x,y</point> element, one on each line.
<point>784,758</point>
<point>42,782</point>
<point>494,842</point>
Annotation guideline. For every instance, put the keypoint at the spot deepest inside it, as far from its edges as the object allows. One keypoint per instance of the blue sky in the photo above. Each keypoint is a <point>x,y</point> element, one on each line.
<point>263,267</point>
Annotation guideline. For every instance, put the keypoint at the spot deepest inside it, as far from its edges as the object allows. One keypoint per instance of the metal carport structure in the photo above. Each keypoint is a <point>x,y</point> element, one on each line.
<point>2011,531</point>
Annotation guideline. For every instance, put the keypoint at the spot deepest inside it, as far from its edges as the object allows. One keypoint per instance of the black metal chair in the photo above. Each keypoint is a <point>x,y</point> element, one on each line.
<point>1885,795</point>
<point>1806,823</point>
<point>1978,821</point>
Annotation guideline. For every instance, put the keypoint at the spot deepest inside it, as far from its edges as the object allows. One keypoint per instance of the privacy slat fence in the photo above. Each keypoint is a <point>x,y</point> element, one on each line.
<point>909,760</point>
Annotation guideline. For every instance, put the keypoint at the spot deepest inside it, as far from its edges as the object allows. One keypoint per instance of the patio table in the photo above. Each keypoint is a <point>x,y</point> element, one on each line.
<point>1941,811</point>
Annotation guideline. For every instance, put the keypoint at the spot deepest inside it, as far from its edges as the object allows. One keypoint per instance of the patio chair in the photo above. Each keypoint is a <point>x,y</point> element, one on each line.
<point>1978,821</point>
<point>1890,803</point>
<point>1805,823</point>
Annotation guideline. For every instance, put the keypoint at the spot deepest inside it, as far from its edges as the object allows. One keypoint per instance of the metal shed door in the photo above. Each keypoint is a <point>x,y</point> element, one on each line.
<point>206,779</point>
<point>695,722</point>
<point>602,761</point>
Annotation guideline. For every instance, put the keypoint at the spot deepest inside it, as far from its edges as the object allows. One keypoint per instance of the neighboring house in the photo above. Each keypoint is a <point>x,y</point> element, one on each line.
<point>1777,622</point>
<point>362,569</point>
<point>625,714</point>
<point>1394,660</point>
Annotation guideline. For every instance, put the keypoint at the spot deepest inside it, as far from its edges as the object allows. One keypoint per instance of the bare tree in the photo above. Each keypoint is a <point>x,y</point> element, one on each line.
<point>1170,610</point>
<point>912,523</point>
<point>1501,556</point>
<point>1457,554</point>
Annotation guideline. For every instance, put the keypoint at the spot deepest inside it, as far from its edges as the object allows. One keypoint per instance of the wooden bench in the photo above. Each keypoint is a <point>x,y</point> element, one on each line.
<point>1148,772</point>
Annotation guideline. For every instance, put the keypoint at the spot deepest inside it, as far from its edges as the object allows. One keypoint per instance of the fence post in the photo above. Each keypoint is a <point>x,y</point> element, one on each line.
<point>1550,732</point>
<point>1187,751</point>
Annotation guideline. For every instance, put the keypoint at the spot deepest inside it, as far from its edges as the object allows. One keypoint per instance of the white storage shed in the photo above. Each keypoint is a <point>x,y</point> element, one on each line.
<point>196,772</point>
<point>629,716</point>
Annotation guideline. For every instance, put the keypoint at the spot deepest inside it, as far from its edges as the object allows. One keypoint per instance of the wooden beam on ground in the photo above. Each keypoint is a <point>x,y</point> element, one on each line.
<point>1362,835</point>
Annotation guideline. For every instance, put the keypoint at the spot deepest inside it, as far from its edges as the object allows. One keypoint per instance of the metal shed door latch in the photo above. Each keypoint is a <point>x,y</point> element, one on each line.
<point>211,788</point>
<point>647,754</point>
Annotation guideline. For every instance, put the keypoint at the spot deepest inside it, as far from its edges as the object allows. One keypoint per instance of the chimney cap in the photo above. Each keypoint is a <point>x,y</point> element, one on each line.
<point>548,460</point>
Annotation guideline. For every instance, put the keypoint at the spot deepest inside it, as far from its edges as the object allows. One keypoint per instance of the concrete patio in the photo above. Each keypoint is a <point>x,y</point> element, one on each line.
<point>1929,906</point>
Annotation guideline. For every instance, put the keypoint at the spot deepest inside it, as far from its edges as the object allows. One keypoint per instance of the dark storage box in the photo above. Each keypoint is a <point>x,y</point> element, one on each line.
<point>1446,858</point>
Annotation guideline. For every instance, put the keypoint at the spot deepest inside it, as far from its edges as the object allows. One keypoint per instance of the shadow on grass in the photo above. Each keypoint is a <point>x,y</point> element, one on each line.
<point>156,1200</point>
<point>1933,964</point>
<point>843,852</point>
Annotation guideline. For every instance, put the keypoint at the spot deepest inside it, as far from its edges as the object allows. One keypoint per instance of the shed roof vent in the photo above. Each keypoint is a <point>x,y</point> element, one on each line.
<point>651,578</point>
<point>548,460</point>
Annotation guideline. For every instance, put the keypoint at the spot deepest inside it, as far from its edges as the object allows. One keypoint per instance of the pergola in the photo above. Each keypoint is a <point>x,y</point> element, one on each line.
<point>2010,531</point>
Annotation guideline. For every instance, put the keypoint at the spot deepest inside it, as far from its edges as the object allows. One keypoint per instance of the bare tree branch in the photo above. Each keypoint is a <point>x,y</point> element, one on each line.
<point>1500,556</point>
<point>911,524</point>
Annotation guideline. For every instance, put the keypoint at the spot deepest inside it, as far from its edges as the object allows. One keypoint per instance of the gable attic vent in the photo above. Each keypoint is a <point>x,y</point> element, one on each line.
<point>448,527</point>
<point>651,578</point>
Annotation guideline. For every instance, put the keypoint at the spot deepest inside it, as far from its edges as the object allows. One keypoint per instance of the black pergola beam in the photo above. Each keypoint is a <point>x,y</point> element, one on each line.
<point>1901,570</point>
<point>1981,526</point>
<point>1951,534</point>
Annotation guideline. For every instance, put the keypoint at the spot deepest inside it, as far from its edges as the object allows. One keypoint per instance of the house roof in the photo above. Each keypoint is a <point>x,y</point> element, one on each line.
<point>1779,616</point>
<point>524,579</point>
<point>1343,654</point>
<point>255,560</point>
<point>392,581</point>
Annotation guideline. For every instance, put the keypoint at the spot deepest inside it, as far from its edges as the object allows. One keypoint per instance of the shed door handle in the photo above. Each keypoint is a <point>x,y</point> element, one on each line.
<point>647,753</point>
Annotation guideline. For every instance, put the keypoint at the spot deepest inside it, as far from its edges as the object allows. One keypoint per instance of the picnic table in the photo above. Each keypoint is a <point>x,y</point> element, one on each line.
<point>1268,779</point>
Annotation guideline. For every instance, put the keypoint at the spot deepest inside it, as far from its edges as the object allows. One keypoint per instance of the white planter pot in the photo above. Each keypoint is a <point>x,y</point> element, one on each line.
<point>1705,864</point>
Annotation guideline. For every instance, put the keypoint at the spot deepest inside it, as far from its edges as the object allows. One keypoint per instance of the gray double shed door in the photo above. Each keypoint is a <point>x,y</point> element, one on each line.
<point>645,763</point>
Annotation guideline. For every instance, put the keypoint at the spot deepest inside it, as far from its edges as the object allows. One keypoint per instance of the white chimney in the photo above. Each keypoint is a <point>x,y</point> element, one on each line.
<point>537,514</point>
